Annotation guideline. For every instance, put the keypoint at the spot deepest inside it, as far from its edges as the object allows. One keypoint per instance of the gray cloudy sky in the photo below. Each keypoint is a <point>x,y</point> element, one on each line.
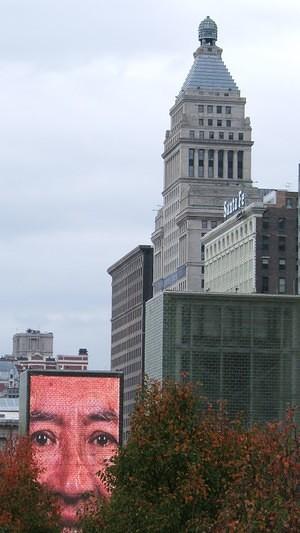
<point>85,89</point>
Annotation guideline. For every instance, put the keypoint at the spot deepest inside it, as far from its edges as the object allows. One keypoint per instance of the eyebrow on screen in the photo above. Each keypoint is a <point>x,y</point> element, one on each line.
<point>101,416</point>
<point>95,416</point>
<point>44,416</point>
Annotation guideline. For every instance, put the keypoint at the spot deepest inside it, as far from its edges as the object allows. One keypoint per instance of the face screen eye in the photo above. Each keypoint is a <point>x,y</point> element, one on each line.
<point>103,440</point>
<point>40,438</point>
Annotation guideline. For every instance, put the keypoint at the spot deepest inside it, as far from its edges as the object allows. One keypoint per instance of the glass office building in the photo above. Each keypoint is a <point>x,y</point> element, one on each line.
<point>244,349</point>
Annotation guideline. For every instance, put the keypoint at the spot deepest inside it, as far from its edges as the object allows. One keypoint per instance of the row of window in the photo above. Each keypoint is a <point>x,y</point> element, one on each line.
<point>231,238</point>
<point>211,163</point>
<point>124,271</point>
<point>133,380</point>
<point>129,317</point>
<point>281,222</point>
<point>239,253</point>
<point>281,243</point>
<point>129,330</point>
<point>281,263</point>
<point>205,222</point>
<point>118,362</point>
<point>219,109</point>
<point>219,123</point>
<point>212,135</point>
<point>281,285</point>
<point>132,341</point>
<point>128,304</point>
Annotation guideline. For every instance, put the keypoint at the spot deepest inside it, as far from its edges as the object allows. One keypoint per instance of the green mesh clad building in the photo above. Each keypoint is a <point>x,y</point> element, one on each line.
<point>244,349</point>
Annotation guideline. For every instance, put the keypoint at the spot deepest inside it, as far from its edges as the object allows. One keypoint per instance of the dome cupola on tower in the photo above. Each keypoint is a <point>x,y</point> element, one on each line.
<point>208,70</point>
<point>208,31</point>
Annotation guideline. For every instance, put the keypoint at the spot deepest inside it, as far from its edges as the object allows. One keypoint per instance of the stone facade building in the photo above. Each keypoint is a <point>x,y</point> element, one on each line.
<point>255,249</point>
<point>32,342</point>
<point>207,158</point>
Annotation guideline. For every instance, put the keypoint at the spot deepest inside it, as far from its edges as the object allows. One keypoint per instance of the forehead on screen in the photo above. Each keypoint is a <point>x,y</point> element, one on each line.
<point>98,391</point>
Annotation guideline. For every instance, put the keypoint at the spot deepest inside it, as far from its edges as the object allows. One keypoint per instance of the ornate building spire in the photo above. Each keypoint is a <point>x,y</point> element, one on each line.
<point>208,70</point>
<point>208,31</point>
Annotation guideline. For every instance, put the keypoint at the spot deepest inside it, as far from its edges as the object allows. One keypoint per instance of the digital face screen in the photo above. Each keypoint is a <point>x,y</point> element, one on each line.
<point>74,427</point>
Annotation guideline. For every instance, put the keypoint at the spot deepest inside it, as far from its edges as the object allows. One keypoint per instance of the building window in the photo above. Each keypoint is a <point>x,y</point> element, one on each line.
<point>240,164</point>
<point>241,136</point>
<point>191,162</point>
<point>201,135</point>
<point>200,108</point>
<point>202,269</point>
<point>202,284</point>
<point>211,134</point>
<point>281,224</point>
<point>265,224</point>
<point>282,285</point>
<point>265,284</point>
<point>200,163</point>
<point>219,123</point>
<point>221,135</point>
<point>230,164</point>
<point>213,224</point>
<point>228,123</point>
<point>290,203</point>
<point>219,109</point>
<point>265,243</point>
<point>282,263</point>
<point>202,252</point>
<point>192,134</point>
<point>201,122</point>
<point>210,163</point>
<point>265,262</point>
<point>228,110</point>
<point>210,122</point>
<point>204,224</point>
<point>230,136</point>
<point>220,163</point>
<point>210,109</point>
<point>281,244</point>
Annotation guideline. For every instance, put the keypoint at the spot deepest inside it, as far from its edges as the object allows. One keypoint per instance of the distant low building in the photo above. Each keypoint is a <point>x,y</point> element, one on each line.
<point>24,357</point>
<point>9,419</point>
<point>73,362</point>
<point>9,379</point>
<point>32,342</point>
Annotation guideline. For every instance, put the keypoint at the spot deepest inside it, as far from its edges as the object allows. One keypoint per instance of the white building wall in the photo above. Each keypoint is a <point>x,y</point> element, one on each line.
<point>230,256</point>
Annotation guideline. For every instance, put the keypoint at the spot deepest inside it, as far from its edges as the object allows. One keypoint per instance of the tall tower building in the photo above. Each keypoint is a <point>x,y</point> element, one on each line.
<point>207,160</point>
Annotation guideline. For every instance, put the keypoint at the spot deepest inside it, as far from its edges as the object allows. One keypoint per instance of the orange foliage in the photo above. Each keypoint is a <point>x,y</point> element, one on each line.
<point>188,468</point>
<point>24,505</point>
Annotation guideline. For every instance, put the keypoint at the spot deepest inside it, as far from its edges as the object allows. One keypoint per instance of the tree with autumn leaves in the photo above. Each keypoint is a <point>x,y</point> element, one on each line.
<point>188,468</point>
<point>25,506</point>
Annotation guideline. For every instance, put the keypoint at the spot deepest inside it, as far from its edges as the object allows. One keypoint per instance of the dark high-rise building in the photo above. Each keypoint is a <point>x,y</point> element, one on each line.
<point>131,288</point>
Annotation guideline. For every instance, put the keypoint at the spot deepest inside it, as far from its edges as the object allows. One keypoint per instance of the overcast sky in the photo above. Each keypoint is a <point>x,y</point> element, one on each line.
<point>85,91</point>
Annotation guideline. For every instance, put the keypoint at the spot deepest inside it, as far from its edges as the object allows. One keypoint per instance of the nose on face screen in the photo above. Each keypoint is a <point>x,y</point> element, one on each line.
<point>74,427</point>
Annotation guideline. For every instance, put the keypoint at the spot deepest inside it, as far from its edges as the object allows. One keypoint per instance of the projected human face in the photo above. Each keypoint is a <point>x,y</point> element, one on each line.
<point>74,429</point>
